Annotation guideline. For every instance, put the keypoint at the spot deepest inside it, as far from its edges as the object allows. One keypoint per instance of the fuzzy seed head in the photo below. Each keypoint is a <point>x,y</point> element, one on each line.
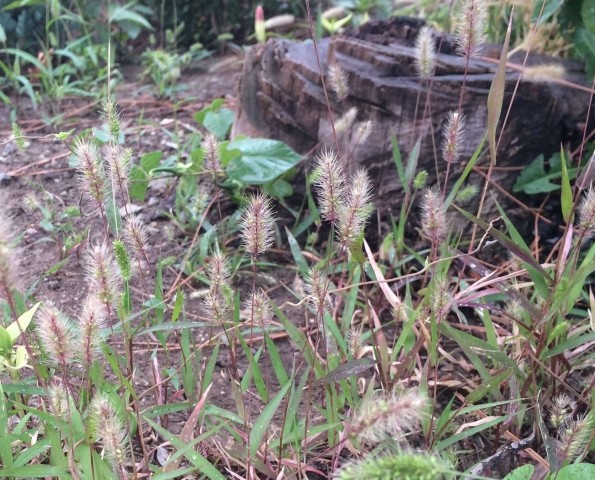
<point>346,121</point>
<point>257,225</point>
<point>102,275</point>
<point>58,400</point>
<point>212,153</point>
<point>136,236</point>
<point>217,307</point>
<point>92,321</point>
<point>119,163</point>
<point>387,415</point>
<point>108,429</point>
<point>586,214</point>
<point>363,131</point>
<point>574,437</point>
<point>217,270</point>
<point>425,52</point>
<point>441,297</point>
<point>354,213</point>
<point>433,215</point>
<point>404,465</point>
<point>259,305</point>
<point>316,286</point>
<point>56,335</point>
<point>452,137</point>
<point>338,81</point>
<point>92,178</point>
<point>472,21</point>
<point>355,344</point>
<point>111,115</point>
<point>329,184</point>
<point>559,410</point>
<point>399,312</point>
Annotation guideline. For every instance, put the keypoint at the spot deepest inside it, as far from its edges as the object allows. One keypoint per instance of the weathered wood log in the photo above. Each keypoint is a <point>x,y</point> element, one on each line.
<point>281,96</point>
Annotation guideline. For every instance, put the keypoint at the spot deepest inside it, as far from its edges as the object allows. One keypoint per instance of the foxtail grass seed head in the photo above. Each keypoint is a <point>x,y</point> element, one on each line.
<point>363,131</point>
<point>58,401</point>
<point>316,286</point>
<point>93,181</point>
<point>329,184</point>
<point>452,137</point>
<point>355,212</point>
<point>102,275</point>
<point>136,236</point>
<point>217,270</point>
<point>338,81</point>
<point>399,311</point>
<point>259,306</point>
<point>346,121</point>
<point>433,215</point>
<point>119,163</point>
<point>559,410</point>
<point>217,307</point>
<point>111,114</point>
<point>425,52</point>
<point>420,179</point>
<point>586,214</point>
<point>387,415</point>
<point>211,148</point>
<point>441,297</point>
<point>92,321</point>
<point>257,225</point>
<point>355,344</point>
<point>108,429</point>
<point>471,25</point>
<point>404,465</point>
<point>122,259</point>
<point>574,436</point>
<point>56,335</point>
<point>259,25</point>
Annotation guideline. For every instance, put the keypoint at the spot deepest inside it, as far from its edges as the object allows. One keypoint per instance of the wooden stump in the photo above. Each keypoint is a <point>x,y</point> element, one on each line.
<point>282,97</point>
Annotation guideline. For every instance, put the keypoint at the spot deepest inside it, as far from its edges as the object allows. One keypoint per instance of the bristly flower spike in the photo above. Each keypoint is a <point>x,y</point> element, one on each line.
<point>102,276</point>
<point>338,81</point>
<point>91,324</point>
<point>56,335</point>
<point>354,213</point>
<point>92,176</point>
<point>257,225</point>
<point>119,163</point>
<point>329,183</point>
<point>259,304</point>
<point>433,215</point>
<point>586,214</point>
<point>212,155</point>
<point>7,276</point>
<point>425,52</point>
<point>136,236</point>
<point>109,430</point>
<point>452,137</point>
<point>471,26</point>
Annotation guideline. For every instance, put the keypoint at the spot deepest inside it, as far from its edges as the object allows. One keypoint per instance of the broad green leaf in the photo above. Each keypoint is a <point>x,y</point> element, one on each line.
<point>5,343</point>
<point>534,179</point>
<point>23,3</point>
<point>588,14</point>
<point>576,471</point>
<point>219,122</point>
<point>549,10</point>
<point>33,471</point>
<point>296,251</point>
<point>140,174</point>
<point>521,473</point>
<point>15,328</point>
<point>261,160</point>
<point>212,107</point>
<point>2,34</point>
<point>120,13</point>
